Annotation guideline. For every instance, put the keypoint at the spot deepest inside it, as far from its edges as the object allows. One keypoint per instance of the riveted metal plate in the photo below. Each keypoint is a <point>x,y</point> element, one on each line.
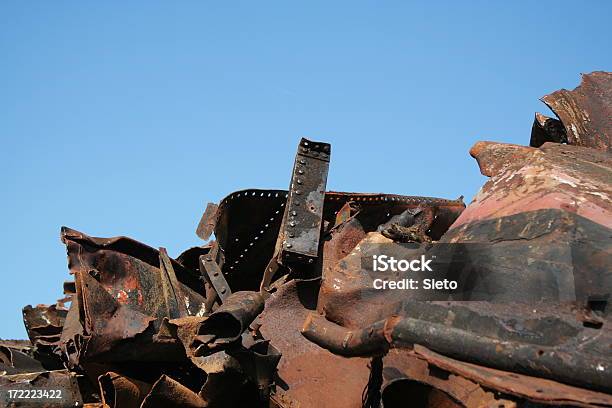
<point>301,226</point>
<point>210,266</point>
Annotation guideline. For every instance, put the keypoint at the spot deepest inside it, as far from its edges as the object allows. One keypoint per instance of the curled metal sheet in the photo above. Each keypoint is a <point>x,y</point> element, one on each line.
<point>586,111</point>
<point>167,392</point>
<point>226,324</point>
<point>118,391</point>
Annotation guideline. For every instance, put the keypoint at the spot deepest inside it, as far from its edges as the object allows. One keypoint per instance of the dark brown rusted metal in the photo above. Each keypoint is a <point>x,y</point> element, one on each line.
<point>545,129</point>
<point>301,227</point>
<point>228,322</point>
<point>207,223</point>
<point>280,310</point>
<point>586,111</point>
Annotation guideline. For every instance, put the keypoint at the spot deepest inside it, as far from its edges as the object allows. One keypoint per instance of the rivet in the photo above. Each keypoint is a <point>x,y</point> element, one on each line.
<point>289,245</point>
<point>315,153</point>
<point>292,224</point>
<point>208,258</point>
<point>298,192</point>
<point>299,181</point>
<point>294,213</point>
<point>223,289</point>
<point>216,273</point>
<point>291,235</point>
<point>305,143</point>
<point>302,161</point>
<point>300,171</point>
<point>310,260</point>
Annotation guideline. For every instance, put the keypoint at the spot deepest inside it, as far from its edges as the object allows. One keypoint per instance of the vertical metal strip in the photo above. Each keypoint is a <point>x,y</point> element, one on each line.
<point>301,228</point>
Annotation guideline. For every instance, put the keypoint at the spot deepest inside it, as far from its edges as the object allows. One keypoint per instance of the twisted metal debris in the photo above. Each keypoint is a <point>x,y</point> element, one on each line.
<point>279,310</point>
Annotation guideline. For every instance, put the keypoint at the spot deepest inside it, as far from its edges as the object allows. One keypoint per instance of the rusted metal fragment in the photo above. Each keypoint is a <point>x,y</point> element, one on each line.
<point>548,342</point>
<point>15,360</point>
<point>72,340</point>
<point>297,244</point>
<point>167,392</point>
<point>44,323</point>
<point>173,294</point>
<point>124,291</point>
<point>229,388</point>
<point>226,325</point>
<point>130,272</point>
<point>247,225</point>
<point>214,275</point>
<point>407,376</point>
<point>570,178</point>
<point>308,375</point>
<point>547,254</point>
<point>106,322</point>
<point>69,288</point>
<point>531,388</point>
<point>586,111</point>
<point>189,258</point>
<point>207,223</point>
<point>120,391</point>
<point>347,295</point>
<point>566,364</point>
<point>298,240</point>
<point>348,343</point>
<point>258,359</point>
<point>545,129</point>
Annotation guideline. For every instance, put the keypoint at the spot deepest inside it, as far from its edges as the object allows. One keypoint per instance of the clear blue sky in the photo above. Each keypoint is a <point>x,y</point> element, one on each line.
<point>125,118</point>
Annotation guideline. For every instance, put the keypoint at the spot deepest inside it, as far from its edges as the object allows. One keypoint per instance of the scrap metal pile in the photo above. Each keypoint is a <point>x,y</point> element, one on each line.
<point>279,309</point>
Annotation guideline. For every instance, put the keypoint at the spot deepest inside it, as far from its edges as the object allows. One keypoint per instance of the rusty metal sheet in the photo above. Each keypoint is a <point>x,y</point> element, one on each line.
<point>167,392</point>
<point>531,388</point>
<point>15,360</point>
<point>408,376</point>
<point>570,178</point>
<point>308,376</point>
<point>207,223</point>
<point>586,111</point>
